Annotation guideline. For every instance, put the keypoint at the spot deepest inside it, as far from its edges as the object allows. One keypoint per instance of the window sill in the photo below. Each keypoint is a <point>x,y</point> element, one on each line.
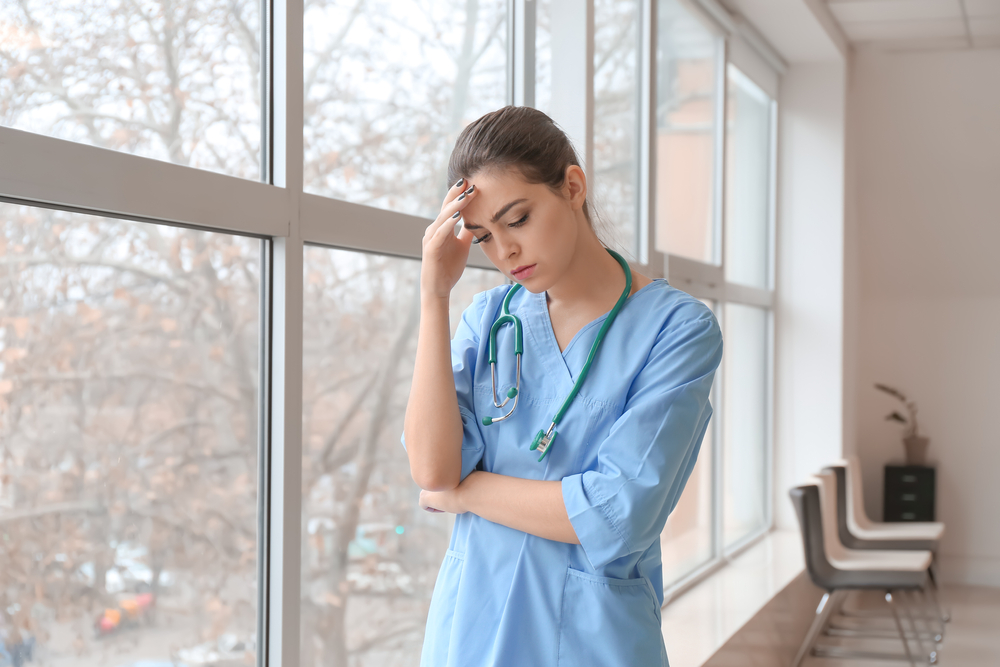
<point>700,621</point>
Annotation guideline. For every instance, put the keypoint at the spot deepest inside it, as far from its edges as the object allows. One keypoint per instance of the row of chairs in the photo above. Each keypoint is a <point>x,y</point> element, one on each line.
<point>845,551</point>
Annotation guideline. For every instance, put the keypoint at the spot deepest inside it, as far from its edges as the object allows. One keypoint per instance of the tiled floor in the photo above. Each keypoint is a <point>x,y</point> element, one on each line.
<point>772,637</point>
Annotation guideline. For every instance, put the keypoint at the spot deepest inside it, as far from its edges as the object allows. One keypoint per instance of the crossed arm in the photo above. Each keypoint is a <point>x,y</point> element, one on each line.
<point>529,505</point>
<point>434,446</point>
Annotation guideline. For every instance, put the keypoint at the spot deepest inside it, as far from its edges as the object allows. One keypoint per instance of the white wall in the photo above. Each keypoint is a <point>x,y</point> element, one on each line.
<point>924,158</point>
<point>810,276</point>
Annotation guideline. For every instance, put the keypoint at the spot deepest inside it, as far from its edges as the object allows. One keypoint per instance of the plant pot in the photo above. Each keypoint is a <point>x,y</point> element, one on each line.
<point>916,450</point>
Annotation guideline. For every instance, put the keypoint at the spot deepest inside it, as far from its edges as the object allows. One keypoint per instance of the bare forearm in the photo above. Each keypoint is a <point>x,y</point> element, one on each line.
<point>528,505</point>
<point>433,425</point>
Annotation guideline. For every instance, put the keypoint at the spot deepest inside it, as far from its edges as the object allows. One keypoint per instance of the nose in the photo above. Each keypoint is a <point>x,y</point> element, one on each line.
<point>506,247</point>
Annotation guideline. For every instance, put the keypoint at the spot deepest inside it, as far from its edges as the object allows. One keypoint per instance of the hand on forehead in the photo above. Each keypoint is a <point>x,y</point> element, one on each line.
<point>499,193</point>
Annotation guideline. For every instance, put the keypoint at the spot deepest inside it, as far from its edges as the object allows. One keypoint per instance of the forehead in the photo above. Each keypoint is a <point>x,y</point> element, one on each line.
<point>497,189</point>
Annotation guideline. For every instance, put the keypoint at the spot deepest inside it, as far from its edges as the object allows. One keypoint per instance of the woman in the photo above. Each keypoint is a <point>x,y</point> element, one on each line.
<point>554,559</point>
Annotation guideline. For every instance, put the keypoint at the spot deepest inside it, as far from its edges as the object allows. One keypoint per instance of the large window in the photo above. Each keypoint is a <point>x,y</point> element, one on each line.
<point>203,375</point>
<point>173,80</point>
<point>714,216</point>
<point>388,87</point>
<point>128,454</point>
<point>616,121</point>
<point>688,57</point>
<point>745,405</point>
<point>369,554</point>
<point>748,181</point>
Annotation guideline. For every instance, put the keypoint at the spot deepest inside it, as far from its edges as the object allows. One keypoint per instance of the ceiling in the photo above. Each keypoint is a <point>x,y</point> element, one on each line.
<point>919,24</point>
<point>799,30</point>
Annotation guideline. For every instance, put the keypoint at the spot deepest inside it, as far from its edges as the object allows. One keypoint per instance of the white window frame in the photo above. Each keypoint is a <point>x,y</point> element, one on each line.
<point>43,171</point>
<point>707,280</point>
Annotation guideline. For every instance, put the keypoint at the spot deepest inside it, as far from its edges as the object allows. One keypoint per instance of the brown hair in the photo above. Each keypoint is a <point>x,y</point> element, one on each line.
<point>520,137</point>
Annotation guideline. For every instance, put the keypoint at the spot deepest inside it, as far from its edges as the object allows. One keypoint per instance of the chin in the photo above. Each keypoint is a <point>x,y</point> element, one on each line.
<point>535,285</point>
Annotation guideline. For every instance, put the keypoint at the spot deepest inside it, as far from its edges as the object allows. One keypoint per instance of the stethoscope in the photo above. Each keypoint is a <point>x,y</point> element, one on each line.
<point>543,441</point>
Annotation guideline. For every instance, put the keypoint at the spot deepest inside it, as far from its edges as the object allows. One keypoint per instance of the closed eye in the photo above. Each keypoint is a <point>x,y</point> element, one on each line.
<point>518,223</point>
<point>487,236</point>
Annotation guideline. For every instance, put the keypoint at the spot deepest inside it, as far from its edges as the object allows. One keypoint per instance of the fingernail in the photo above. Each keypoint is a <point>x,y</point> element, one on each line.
<point>460,181</point>
<point>461,197</point>
<point>469,191</point>
<point>457,213</point>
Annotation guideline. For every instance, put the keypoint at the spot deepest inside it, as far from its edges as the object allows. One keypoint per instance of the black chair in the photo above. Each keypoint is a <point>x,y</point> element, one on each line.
<point>837,581</point>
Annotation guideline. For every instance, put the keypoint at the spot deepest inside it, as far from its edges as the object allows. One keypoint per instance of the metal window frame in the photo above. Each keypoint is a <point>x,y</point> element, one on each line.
<point>706,280</point>
<point>521,19</point>
<point>44,171</point>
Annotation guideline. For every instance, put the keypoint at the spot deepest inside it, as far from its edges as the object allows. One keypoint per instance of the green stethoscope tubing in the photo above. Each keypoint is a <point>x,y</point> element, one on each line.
<point>544,439</point>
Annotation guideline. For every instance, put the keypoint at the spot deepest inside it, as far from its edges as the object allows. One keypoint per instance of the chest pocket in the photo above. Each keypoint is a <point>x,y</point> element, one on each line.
<point>606,621</point>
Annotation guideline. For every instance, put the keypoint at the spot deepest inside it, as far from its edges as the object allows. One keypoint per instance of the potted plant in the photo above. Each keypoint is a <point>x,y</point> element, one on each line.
<point>913,442</point>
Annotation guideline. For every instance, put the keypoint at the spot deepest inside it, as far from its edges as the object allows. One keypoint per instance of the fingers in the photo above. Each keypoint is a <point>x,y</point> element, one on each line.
<point>451,212</point>
<point>448,227</point>
<point>455,190</point>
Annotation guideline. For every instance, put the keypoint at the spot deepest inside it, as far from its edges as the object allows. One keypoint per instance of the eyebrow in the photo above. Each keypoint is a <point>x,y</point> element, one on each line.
<point>499,214</point>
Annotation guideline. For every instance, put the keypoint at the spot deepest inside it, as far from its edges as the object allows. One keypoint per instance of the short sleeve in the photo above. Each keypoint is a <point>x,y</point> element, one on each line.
<point>621,507</point>
<point>464,353</point>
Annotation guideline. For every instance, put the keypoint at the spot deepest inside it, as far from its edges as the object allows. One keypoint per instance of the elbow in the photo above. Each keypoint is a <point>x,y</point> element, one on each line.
<point>431,468</point>
<point>430,480</point>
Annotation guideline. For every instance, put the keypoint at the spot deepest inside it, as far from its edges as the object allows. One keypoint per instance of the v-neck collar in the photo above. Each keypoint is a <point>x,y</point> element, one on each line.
<point>539,330</point>
<point>547,332</point>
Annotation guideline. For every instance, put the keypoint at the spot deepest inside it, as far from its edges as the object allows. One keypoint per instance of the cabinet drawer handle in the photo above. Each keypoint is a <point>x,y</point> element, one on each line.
<point>909,516</point>
<point>909,497</point>
<point>909,479</point>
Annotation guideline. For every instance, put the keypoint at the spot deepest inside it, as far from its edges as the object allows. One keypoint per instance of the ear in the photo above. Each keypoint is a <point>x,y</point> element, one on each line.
<point>575,186</point>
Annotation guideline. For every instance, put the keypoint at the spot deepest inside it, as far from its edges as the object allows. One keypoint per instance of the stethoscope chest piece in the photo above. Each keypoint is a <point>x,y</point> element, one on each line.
<point>544,440</point>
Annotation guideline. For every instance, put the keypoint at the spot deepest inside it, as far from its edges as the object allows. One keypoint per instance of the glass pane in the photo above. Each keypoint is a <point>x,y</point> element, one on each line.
<point>613,176</point>
<point>128,455</point>
<point>370,556</point>
<point>687,61</point>
<point>745,404</point>
<point>176,80</point>
<point>616,121</point>
<point>389,84</point>
<point>686,540</point>
<point>748,180</point>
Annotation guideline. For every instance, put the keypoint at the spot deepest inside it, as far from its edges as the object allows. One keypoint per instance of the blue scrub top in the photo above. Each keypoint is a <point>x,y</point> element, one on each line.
<point>625,450</point>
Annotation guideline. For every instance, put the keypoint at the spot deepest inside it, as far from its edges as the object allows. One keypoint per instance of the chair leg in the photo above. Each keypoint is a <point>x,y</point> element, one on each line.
<point>938,613</point>
<point>930,605</point>
<point>943,614</point>
<point>906,603</point>
<point>899,627</point>
<point>823,611</point>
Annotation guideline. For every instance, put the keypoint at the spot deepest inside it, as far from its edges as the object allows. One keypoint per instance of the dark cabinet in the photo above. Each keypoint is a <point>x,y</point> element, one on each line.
<point>909,493</point>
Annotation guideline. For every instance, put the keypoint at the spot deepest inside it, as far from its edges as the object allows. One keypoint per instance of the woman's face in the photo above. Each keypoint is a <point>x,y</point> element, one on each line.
<point>528,231</point>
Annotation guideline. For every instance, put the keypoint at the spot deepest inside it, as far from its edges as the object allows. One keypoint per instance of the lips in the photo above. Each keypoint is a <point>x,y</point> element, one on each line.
<point>523,272</point>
